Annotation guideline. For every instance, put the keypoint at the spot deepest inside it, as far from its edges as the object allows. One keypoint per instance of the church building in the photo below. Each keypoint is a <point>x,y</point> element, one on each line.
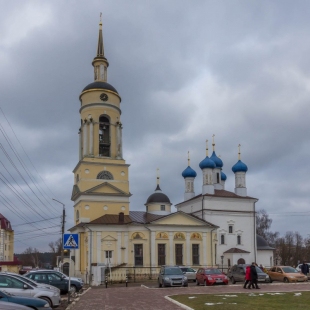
<point>213,228</point>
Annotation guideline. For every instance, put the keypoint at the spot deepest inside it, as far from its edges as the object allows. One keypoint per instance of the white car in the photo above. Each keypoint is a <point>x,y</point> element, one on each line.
<point>190,273</point>
<point>19,287</point>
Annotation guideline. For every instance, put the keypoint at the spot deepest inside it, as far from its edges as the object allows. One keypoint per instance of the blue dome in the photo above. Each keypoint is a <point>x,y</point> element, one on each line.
<point>189,173</point>
<point>218,162</point>
<point>223,176</point>
<point>239,167</point>
<point>207,163</point>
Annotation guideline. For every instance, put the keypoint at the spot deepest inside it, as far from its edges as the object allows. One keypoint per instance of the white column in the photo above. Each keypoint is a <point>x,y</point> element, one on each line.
<point>188,249</point>
<point>171,248</point>
<point>153,249</point>
<point>118,248</point>
<point>98,247</point>
<point>80,145</point>
<point>84,139</point>
<point>126,244</point>
<point>91,138</point>
<point>204,249</point>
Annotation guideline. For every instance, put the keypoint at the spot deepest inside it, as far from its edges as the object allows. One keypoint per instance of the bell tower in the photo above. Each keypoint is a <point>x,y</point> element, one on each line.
<point>101,181</point>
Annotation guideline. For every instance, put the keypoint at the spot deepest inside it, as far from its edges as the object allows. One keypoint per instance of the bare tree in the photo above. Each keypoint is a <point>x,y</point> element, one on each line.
<point>263,224</point>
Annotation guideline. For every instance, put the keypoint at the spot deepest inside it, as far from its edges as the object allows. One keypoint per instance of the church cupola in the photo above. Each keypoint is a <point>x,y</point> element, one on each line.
<point>240,169</point>
<point>189,176</point>
<point>158,202</point>
<point>207,165</point>
<point>218,167</point>
<point>223,179</point>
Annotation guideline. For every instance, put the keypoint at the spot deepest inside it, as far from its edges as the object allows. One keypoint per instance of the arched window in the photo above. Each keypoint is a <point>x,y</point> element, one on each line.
<point>238,239</point>
<point>104,136</point>
<point>241,261</point>
<point>105,175</point>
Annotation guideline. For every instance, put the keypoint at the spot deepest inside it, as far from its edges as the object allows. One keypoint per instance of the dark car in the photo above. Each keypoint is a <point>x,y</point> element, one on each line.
<point>237,274</point>
<point>171,276</point>
<point>210,276</point>
<point>53,278</point>
<point>31,302</point>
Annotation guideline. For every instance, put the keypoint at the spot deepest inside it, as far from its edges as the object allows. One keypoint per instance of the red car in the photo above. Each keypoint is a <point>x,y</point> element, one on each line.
<point>210,276</point>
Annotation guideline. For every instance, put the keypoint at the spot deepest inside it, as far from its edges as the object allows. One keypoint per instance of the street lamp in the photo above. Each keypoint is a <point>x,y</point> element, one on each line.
<point>222,258</point>
<point>62,233</point>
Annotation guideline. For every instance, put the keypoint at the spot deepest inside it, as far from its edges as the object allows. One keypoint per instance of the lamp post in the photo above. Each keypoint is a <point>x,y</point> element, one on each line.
<point>222,259</point>
<point>62,233</point>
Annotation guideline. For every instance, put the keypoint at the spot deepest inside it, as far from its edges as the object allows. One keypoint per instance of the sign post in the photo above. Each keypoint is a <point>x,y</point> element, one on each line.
<point>70,242</point>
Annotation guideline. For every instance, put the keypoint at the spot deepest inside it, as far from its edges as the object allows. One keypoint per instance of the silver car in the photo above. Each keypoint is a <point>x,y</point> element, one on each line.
<point>171,276</point>
<point>190,273</point>
<point>19,287</point>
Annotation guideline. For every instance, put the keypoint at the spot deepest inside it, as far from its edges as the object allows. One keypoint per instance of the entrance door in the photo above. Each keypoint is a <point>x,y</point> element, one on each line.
<point>179,254</point>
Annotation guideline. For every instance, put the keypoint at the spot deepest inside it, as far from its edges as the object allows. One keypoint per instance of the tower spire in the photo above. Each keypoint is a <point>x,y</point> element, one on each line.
<point>213,143</point>
<point>100,63</point>
<point>239,152</point>
<point>188,159</point>
<point>157,181</point>
<point>207,150</point>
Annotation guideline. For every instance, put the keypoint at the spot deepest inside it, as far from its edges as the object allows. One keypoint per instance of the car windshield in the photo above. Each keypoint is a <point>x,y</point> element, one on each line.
<point>213,271</point>
<point>173,271</point>
<point>289,270</point>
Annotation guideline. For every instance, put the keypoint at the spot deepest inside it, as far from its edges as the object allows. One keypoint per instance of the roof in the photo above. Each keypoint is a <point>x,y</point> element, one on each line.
<point>135,217</point>
<point>262,244</point>
<point>220,193</point>
<point>5,223</point>
<point>236,250</point>
<point>100,85</point>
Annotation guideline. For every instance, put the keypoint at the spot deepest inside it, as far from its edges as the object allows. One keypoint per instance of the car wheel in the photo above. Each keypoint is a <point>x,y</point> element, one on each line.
<point>197,282</point>
<point>232,279</point>
<point>73,289</point>
<point>194,280</point>
<point>286,280</point>
<point>159,284</point>
<point>47,300</point>
<point>268,280</point>
<point>205,283</point>
<point>185,285</point>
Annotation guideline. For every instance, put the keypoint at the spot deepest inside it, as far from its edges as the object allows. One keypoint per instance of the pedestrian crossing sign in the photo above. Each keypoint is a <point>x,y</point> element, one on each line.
<point>71,241</point>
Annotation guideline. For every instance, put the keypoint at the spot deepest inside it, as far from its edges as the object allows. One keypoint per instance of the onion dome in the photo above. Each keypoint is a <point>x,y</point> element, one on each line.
<point>239,167</point>
<point>218,162</point>
<point>207,163</point>
<point>189,173</point>
<point>223,176</point>
<point>158,197</point>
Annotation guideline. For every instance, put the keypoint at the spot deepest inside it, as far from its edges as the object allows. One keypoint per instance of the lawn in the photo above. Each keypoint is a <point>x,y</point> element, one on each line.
<point>283,301</point>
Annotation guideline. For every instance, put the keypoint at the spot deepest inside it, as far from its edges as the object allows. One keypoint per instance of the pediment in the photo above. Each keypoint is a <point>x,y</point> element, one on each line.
<point>180,218</point>
<point>105,188</point>
<point>108,238</point>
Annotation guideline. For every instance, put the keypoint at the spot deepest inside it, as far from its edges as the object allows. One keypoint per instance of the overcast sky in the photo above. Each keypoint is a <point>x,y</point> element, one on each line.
<point>185,70</point>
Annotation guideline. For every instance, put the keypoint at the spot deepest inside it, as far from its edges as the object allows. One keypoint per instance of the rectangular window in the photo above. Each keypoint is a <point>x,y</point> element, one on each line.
<point>179,254</point>
<point>138,250</point>
<point>217,178</point>
<point>222,239</point>
<point>161,254</point>
<point>195,254</point>
<point>238,239</point>
<point>230,229</point>
<point>108,254</point>
<point>162,208</point>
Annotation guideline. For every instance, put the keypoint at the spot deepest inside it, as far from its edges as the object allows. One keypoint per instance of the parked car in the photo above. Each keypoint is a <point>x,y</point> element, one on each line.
<point>286,274</point>
<point>53,278</point>
<point>237,274</point>
<point>30,302</point>
<point>190,273</point>
<point>210,276</point>
<point>4,305</point>
<point>171,276</point>
<point>60,274</point>
<point>33,283</point>
<point>299,269</point>
<point>16,286</point>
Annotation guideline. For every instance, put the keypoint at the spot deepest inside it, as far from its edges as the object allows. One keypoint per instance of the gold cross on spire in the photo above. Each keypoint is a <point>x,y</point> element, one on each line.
<point>213,143</point>
<point>207,148</point>
<point>157,176</point>
<point>239,151</point>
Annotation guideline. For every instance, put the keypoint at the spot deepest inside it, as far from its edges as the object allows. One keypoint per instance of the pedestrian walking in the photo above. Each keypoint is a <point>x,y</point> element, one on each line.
<point>304,268</point>
<point>247,277</point>
<point>254,276</point>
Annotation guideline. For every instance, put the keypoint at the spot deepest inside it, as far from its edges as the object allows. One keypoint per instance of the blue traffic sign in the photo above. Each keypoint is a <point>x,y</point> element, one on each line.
<point>71,241</point>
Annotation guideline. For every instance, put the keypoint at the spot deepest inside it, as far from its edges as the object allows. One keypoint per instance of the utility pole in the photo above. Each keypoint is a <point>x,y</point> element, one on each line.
<point>62,233</point>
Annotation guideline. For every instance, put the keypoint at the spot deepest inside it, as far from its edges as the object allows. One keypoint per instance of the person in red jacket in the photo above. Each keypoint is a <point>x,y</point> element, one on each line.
<point>247,277</point>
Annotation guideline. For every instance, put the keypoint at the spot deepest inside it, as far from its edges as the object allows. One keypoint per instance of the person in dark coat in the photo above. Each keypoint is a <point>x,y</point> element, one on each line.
<point>304,268</point>
<point>254,276</point>
<point>247,277</point>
